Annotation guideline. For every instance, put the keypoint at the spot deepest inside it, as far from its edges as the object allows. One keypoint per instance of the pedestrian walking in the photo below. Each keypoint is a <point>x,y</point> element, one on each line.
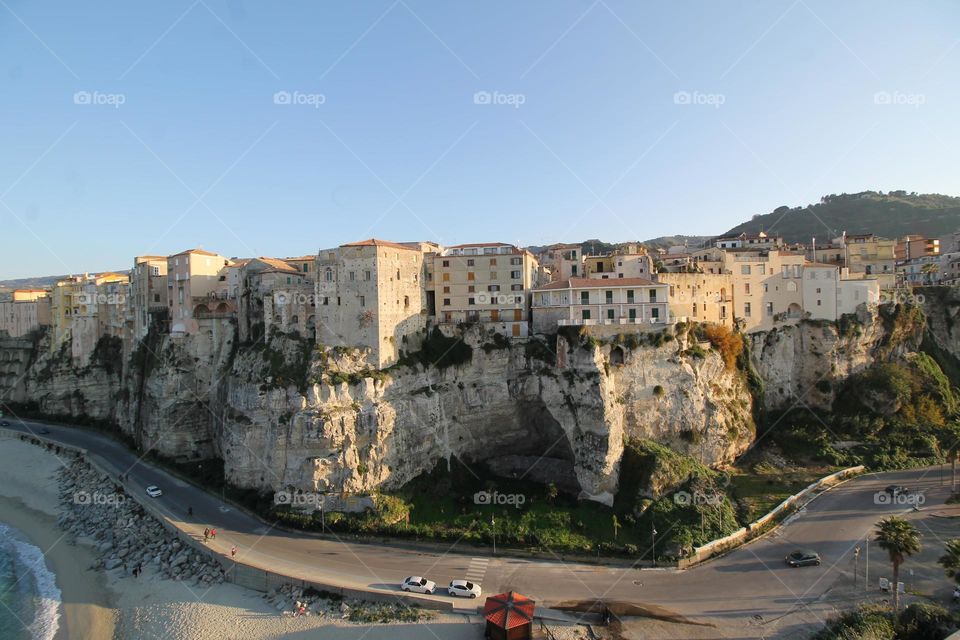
<point>233,552</point>
<point>206,534</point>
<point>213,533</point>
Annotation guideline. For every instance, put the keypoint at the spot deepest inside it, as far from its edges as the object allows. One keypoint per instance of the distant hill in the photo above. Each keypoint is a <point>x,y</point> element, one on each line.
<point>890,215</point>
<point>39,282</point>
<point>665,242</point>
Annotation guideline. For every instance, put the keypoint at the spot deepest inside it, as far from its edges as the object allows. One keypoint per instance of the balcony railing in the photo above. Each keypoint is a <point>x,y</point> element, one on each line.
<point>580,322</point>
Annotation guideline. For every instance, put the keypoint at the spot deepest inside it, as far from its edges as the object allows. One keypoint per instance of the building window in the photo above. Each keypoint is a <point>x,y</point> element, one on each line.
<point>446,277</point>
<point>445,263</point>
<point>406,302</point>
<point>471,288</point>
<point>769,309</point>
<point>470,262</point>
<point>585,314</point>
<point>629,296</point>
<point>746,288</point>
<point>493,262</point>
<point>446,289</point>
<point>655,313</point>
<point>493,287</point>
<point>493,275</point>
<point>745,269</point>
<point>584,297</point>
<point>573,270</point>
<point>328,275</point>
<point>366,276</point>
<point>398,274</point>
<point>352,276</point>
<point>471,301</point>
<point>609,296</point>
<point>363,301</point>
<point>516,261</point>
<point>766,287</point>
<point>326,300</point>
<point>632,313</point>
<point>446,302</point>
<point>610,314</point>
<point>653,295</point>
<point>818,303</point>
<point>470,275</point>
<point>515,275</point>
<point>516,287</point>
<point>818,289</point>
<point>746,309</point>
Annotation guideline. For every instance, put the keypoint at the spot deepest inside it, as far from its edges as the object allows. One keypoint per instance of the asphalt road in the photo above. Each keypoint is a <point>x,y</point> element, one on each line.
<point>750,586</point>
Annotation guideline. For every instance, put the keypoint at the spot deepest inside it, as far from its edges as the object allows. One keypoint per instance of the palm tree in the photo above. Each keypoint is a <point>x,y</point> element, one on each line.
<point>899,539</point>
<point>950,561</point>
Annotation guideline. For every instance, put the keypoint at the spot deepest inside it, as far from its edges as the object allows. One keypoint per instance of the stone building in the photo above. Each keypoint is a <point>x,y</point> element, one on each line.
<point>196,289</point>
<point>371,294</point>
<point>631,261</point>
<point>700,297</point>
<point>26,311</point>
<point>829,292</point>
<point>148,295</point>
<point>563,261</point>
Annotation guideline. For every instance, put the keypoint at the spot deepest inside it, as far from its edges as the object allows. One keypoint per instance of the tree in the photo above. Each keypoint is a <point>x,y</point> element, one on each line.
<point>899,539</point>
<point>950,561</point>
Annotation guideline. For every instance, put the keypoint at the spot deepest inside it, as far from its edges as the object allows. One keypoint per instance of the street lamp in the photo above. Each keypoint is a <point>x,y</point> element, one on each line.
<point>493,526</point>
<point>856,565</point>
<point>653,543</point>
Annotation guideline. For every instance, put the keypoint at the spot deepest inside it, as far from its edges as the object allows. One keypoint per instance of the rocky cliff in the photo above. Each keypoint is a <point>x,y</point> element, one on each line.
<point>288,414</point>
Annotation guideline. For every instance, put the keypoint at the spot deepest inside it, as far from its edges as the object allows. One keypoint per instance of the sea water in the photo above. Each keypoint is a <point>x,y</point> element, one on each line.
<point>29,597</point>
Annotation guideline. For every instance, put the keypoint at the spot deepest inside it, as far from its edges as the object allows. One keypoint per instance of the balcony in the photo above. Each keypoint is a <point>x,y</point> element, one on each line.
<point>580,322</point>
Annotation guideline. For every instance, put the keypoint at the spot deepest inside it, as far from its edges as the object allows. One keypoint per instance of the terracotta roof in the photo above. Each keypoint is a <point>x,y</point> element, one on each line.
<point>277,264</point>
<point>150,258</point>
<point>599,283</point>
<point>509,610</point>
<point>197,251</point>
<point>374,242</point>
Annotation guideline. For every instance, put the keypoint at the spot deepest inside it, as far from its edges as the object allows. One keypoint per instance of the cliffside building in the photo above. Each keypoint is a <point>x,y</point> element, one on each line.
<point>371,294</point>
<point>632,304</point>
<point>196,289</point>
<point>489,283</point>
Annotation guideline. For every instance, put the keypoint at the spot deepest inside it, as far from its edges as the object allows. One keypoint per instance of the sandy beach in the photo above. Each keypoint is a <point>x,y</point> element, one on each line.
<point>101,604</point>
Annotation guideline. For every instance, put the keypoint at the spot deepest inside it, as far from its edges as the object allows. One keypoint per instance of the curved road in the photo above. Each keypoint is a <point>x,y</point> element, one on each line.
<point>750,586</point>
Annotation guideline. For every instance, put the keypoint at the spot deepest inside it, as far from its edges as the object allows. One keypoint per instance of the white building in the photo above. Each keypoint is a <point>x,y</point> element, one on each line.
<point>637,303</point>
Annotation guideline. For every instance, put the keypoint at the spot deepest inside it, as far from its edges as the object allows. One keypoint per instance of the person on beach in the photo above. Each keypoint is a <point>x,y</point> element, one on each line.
<point>206,534</point>
<point>233,552</point>
<point>213,533</point>
<point>190,511</point>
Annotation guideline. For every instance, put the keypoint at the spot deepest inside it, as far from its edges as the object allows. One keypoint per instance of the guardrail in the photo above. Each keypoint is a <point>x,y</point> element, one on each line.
<point>237,572</point>
<point>756,528</point>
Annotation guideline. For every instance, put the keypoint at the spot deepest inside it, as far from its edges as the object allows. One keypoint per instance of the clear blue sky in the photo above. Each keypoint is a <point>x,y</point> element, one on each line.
<point>199,154</point>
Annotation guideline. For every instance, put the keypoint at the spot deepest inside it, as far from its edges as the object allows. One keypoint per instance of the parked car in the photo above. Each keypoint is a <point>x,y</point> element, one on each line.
<point>44,431</point>
<point>463,589</point>
<point>803,558</point>
<point>416,584</point>
<point>154,491</point>
<point>896,489</point>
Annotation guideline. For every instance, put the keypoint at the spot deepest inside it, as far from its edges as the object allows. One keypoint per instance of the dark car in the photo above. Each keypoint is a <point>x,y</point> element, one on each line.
<point>4,423</point>
<point>895,490</point>
<point>44,431</point>
<point>803,558</point>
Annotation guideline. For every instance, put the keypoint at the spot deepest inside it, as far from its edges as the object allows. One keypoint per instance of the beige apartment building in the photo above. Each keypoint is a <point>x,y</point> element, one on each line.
<point>26,311</point>
<point>99,310</point>
<point>871,256</point>
<point>766,287</point>
<point>196,289</point>
<point>627,304</point>
<point>700,297</point>
<point>487,283</point>
<point>912,247</point>
<point>371,294</point>
<point>148,294</point>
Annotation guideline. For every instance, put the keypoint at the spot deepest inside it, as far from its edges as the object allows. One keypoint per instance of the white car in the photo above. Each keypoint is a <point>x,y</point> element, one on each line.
<point>416,584</point>
<point>154,491</point>
<point>464,589</point>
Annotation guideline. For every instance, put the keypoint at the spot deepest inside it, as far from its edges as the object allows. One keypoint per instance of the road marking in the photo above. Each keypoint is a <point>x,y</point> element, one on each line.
<point>477,569</point>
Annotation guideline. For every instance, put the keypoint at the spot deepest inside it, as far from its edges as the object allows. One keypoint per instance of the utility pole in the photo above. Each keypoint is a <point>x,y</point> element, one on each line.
<point>493,525</point>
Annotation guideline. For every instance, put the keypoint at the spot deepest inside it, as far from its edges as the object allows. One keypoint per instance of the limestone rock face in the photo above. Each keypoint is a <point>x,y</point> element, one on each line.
<point>803,364</point>
<point>284,415</point>
<point>564,424</point>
